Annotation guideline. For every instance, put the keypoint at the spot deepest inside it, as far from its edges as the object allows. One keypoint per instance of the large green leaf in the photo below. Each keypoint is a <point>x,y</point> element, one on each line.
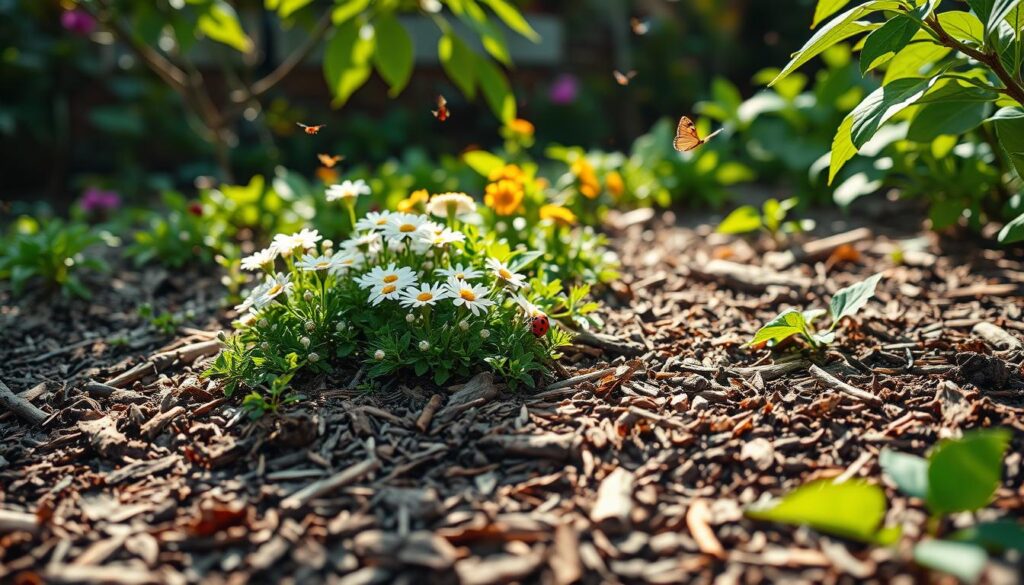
<point>458,62</point>
<point>220,23</point>
<point>827,8</point>
<point>962,26</point>
<point>842,148</point>
<point>908,472</point>
<point>992,12</point>
<point>916,60</point>
<point>837,30</point>
<point>513,18</point>
<point>483,162</point>
<point>888,40</point>
<point>742,220</point>
<point>962,560</point>
<point>951,109</point>
<point>394,53</point>
<point>497,91</point>
<point>1009,123</point>
<point>884,103</point>
<point>789,323</point>
<point>998,536</point>
<point>1013,232</point>
<point>286,8</point>
<point>963,474</point>
<point>347,60</point>
<point>847,301</point>
<point>853,509</point>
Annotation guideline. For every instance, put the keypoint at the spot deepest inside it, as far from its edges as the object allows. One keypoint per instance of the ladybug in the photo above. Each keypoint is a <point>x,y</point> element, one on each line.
<point>540,325</point>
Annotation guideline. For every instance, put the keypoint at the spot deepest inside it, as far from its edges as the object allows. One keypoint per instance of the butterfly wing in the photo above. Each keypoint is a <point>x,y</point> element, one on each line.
<point>713,134</point>
<point>620,78</point>
<point>686,136</point>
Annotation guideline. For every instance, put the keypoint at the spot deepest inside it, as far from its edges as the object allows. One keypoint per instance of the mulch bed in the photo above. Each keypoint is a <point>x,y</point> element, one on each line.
<point>635,470</point>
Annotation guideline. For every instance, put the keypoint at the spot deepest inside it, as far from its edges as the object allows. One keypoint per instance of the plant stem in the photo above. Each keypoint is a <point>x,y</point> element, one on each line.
<point>1012,89</point>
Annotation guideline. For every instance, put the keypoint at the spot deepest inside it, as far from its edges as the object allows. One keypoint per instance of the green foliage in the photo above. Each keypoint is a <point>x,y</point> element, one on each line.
<point>165,322</point>
<point>175,237</point>
<point>48,256</point>
<point>853,509</point>
<point>794,323</point>
<point>771,218</point>
<point>962,560</point>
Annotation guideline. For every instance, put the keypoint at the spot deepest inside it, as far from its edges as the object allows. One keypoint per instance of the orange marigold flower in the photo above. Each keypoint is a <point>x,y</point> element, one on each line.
<point>507,173</point>
<point>521,126</point>
<point>558,214</point>
<point>415,201</point>
<point>590,189</point>
<point>616,186</point>
<point>504,197</point>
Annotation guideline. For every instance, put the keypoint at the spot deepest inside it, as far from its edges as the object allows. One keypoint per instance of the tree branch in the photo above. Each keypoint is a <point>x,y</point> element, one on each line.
<point>265,84</point>
<point>1012,89</point>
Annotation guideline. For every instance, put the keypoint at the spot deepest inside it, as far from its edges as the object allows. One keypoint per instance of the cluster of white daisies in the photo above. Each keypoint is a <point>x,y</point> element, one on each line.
<point>371,258</point>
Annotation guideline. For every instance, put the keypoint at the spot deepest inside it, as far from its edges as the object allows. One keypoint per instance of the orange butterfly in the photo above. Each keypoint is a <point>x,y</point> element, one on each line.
<point>687,138</point>
<point>311,129</point>
<point>441,113</point>
<point>623,78</point>
<point>640,27</point>
<point>328,160</point>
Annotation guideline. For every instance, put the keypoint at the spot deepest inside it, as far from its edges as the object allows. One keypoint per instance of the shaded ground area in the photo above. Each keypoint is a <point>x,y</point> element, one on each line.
<point>637,474</point>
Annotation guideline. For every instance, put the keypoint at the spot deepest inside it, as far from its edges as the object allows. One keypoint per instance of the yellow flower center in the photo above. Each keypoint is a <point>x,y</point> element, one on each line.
<point>274,289</point>
<point>504,274</point>
<point>460,275</point>
<point>407,227</point>
<point>424,297</point>
<point>322,264</point>
<point>391,278</point>
<point>467,294</point>
<point>388,289</point>
<point>382,221</point>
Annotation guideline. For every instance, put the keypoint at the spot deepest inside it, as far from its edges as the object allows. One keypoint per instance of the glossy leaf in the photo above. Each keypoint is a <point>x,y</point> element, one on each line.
<point>997,536</point>
<point>220,23</point>
<point>888,40</point>
<point>512,18</point>
<point>394,54</point>
<point>742,220</point>
<point>908,472</point>
<point>789,323</point>
<point>884,103</point>
<point>496,90</point>
<point>1009,123</point>
<point>1013,232</point>
<point>963,474</point>
<point>847,301</point>
<point>962,560</point>
<point>458,62</point>
<point>825,9</point>
<point>347,60</point>
<point>853,509</point>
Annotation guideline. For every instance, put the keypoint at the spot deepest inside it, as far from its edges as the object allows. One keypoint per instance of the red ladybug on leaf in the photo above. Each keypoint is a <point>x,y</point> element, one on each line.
<point>540,325</point>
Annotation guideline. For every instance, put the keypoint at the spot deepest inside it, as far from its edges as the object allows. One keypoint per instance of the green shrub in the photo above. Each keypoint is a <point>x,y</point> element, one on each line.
<point>50,256</point>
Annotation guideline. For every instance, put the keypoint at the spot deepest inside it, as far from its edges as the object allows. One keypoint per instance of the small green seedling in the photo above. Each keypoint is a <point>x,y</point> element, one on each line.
<point>165,322</point>
<point>771,218</point>
<point>792,322</point>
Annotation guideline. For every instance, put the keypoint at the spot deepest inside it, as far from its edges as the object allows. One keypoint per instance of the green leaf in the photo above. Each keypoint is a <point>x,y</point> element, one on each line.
<point>827,8</point>
<point>964,561</point>
<point>993,12</point>
<point>1013,232</point>
<point>888,40</point>
<point>742,220</point>
<point>998,536</point>
<point>1009,123</point>
<point>950,109</point>
<point>963,474</point>
<point>347,60</point>
<point>853,509</point>
<point>394,54</point>
<point>789,323</point>
<point>220,23</point>
<point>842,148</point>
<point>963,26</point>
<point>458,62</point>
<point>483,162</point>
<point>916,60</point>
<point>884,103</point>
<point>286,8</point>
<point>512,18</point>
<point>348,10</point>
<point>908,472</point>
<point>847,301</point>
<point>497,91</point>
<point>839,29</point>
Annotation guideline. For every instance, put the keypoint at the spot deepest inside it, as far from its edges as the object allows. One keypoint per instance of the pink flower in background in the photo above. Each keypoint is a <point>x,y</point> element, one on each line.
<point>99,201</point>
<point>564,90</point>
<point>78,21</point>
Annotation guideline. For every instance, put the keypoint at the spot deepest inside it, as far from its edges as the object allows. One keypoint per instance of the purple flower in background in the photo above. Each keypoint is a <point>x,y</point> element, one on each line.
<point>78,21</point>
<point>564,90</point>
<point>96,201</point>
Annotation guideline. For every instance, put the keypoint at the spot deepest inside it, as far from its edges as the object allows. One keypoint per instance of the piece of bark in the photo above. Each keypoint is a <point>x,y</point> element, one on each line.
<point>156,425</point>
<point>330,484</point>
<point>821,248</point>
<point>836,384</point>
<point>20,406</point>
<point>159,362</point>
<point>614,502</point>
<point>996,336</point>
<point>698,517</point>
<point>423,421</point>
<point>609,343</point>
<point>588,377</point>
<point>108,441</point>
<point>564,556</point>
<point>142,468</point>
<point>12,521</point>
<point>747,277</point>
<point>557,447</point>
<point>502,568</point>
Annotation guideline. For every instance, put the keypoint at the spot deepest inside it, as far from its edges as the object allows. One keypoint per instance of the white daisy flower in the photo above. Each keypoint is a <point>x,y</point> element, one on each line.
<point>305,240</point>
<point>373,221</point>
<point>258,260</point>
<point>440,238</point>
<point>426,294</point>
<point>454,204</point>
<point>466,294</point>
<point>530,309</point>
<point>314,263</point>
<point>343,262</point>
<point>404,226</point>
<point>348,190</point>
<point>276,284</point>
<point>502,272</point>
<point>460,272</point>
<point>250,301</point>
<point>390,274</point>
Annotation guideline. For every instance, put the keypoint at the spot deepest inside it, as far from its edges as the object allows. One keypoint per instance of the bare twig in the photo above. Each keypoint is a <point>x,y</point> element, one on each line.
<point>11,521</point>
<point>330,484</point>
<point>837,384</point>
<point>21,407</point>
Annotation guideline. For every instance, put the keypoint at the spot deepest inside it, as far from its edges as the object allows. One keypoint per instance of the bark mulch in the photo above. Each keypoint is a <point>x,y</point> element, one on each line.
<point>635,469</point>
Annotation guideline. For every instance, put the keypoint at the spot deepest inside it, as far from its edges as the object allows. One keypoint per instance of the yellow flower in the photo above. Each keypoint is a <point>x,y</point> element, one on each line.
<point>507,173</point>
<point>616,186</point>
<point>416,200</point>
<point>590,187</point>
<point>504,197</point>
<point>558,214</point>
<point>328,176</point>
<point>521,126</point>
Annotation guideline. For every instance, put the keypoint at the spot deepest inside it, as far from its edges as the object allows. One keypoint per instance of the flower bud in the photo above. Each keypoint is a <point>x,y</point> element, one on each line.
<point>409,318</point>
<point>484,334</point>
<point>313,357</point>
<point>305,342</point>
<point>340,326</point>
<point>379,355</point>
<point>424,345</point>
<point>464,325</point>
<point>265,346</point>
<point>308,296</point>
<point>310,326</point>
<point>263,323</point>
<point>327,244</point>
<point>427,265</point>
